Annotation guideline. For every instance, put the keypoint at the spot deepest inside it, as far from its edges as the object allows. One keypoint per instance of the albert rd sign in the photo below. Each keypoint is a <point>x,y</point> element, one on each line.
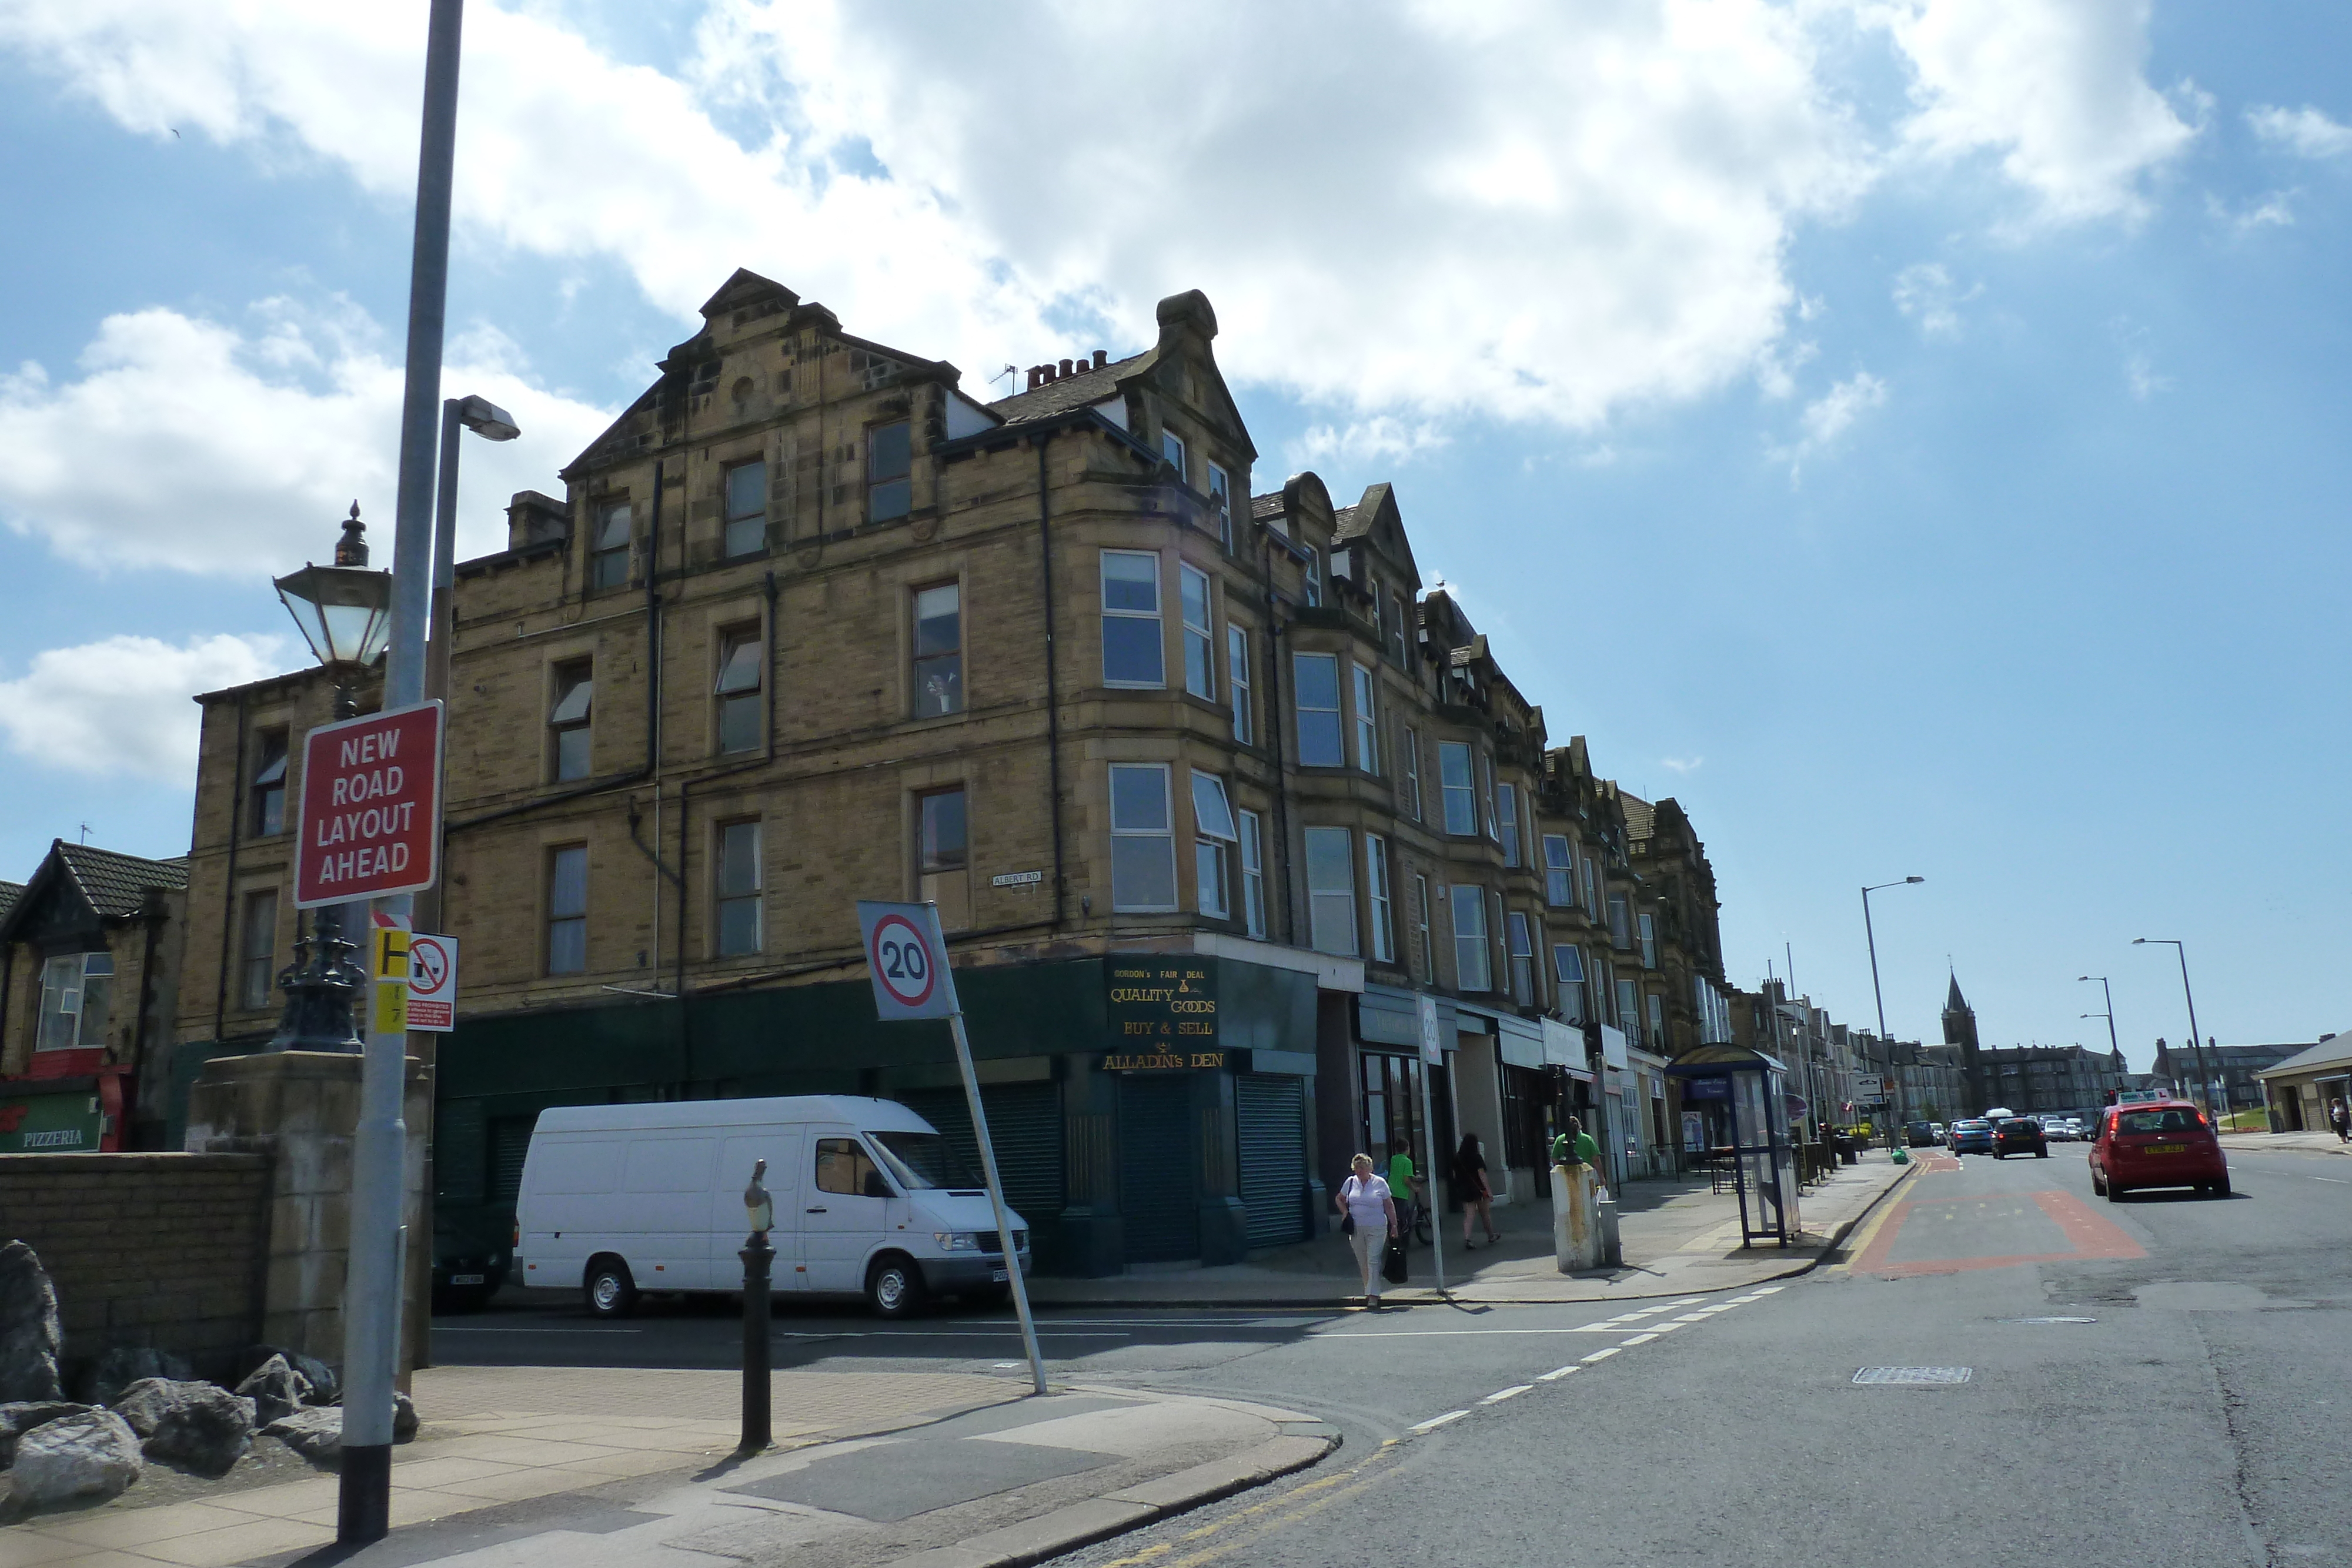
<point>369,822</point>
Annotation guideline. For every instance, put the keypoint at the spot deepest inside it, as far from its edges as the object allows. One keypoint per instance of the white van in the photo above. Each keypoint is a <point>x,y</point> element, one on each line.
<point>869,1200</point>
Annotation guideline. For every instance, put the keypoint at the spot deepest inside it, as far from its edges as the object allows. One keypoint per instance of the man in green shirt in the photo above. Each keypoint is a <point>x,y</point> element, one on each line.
<point>1403,1189</point>
<point>1574,1147</point>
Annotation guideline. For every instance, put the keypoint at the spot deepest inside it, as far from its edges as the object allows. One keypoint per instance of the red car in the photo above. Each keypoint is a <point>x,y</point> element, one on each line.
<point>2163,1142</point>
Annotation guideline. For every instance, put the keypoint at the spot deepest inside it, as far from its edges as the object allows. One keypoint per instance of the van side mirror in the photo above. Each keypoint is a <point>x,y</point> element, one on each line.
<point>875,1185</point>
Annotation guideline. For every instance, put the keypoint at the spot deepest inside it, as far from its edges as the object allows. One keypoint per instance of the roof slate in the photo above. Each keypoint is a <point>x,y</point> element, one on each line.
<point>1640,816</point>
<point>1076,389</point>
<point>10,891</point>
<point>1266,505</point>
<point>2335,1050</point>
<point>116,883</point>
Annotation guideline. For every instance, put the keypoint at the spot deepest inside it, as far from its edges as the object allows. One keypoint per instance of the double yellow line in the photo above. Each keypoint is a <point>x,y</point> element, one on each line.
<point>1258,1521</point>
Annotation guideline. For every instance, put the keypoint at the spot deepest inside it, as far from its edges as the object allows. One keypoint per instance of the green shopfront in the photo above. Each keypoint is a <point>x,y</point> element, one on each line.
<point>1143,1107</point>
<point>66,1115</point>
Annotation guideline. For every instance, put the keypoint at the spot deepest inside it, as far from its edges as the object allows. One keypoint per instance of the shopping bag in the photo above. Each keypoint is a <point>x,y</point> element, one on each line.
<point>1393,1263</point>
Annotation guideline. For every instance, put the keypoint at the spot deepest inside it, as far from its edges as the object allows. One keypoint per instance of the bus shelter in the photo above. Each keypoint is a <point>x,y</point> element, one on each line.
<point>1747,1092</point>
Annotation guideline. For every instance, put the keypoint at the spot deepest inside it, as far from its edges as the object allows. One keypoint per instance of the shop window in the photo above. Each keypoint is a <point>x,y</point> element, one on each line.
<point>567,719</point>
<point>889,472</point>
<point>269,788</point>
<point>1133,653</point>
<point>943,855</point>
<point>1331,891</point>
<point>738,889</point>
<point>938,650</point>
<point>77,993</point>
<point>1142,839</point>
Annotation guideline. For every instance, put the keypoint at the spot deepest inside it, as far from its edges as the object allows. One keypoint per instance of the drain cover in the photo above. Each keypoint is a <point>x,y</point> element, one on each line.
<point>1913,1375</point>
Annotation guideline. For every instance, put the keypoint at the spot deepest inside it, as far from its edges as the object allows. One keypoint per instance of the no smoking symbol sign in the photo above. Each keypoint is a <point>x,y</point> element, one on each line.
<point>428,965</point>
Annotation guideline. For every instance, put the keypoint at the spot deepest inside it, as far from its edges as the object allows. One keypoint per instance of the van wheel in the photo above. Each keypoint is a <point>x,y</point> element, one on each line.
<point>894,1288</point>
<point>611,1292</point>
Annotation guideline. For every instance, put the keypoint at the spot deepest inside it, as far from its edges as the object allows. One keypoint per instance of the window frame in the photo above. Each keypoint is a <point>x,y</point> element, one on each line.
<point>608,562</point>
<point>265,791</point>
<point>1645,935</point>
<point>1324,902</point>
<point>1253,863</point>
<point>1363,694</point>
<point>1103,578</point>
<point>1486,796</point>
<point>1507,799</point>
<point>917,660</point>
<point>566,676</point>
<point>1467,790</point>
<point>1237,684</point>
<point>729,518</point>
<point>86,965</point>
<point>1198,637</point>
<point>1312,578</point>
<point>728,703</point>
<point>1569,988</point>
<point>1424,963</point>
<point>1165,833</point>
<point>1409,751</point>
<point>1377,898</point>
<point>1558,875</point>
<point>956,913</point>
<point>1221,502</point>
<point>251,996</point>
<point>878,485</point>
<point>1519,950</point>
<point>1214,845</point>
<point>574,924</point>
<point>1173,453</point>
<point>1336,712</point>
<point>725,902</point>
<point>1470,939</point>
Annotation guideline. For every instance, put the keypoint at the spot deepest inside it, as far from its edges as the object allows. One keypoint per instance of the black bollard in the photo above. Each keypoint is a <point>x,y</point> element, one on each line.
<point>756,1255</point>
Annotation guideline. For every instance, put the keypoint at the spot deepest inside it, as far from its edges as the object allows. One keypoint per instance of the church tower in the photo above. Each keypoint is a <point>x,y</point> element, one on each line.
<point>1960,1030</point>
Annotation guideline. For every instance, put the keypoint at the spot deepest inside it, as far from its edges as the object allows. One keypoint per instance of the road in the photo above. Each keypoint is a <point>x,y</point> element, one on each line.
<point>2164,1380</point>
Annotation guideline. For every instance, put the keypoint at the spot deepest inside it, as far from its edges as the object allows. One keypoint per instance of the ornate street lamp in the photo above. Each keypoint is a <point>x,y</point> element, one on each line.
<point>345,614</point>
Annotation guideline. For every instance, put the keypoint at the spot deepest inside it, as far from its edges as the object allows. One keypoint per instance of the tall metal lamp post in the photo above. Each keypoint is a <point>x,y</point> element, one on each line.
<point>2196,1041</point>
<point>491,423</point>
<point>1879,996</point>
<point>345,612</point>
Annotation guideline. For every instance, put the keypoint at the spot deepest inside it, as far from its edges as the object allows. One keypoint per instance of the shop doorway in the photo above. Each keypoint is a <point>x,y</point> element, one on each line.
<point>1158,1187</point>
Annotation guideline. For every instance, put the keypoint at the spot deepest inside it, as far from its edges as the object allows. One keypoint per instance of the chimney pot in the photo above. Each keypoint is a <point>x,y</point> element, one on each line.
<point>1065,367</point>
<point>1036,377</point>
<point>1101,359</point>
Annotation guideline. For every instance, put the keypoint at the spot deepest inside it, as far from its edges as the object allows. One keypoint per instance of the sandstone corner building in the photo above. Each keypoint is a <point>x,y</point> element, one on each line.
<point>1209,787</point>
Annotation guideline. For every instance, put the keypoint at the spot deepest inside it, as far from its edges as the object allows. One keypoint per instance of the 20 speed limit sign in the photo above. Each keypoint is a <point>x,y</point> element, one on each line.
<point>909,959</point>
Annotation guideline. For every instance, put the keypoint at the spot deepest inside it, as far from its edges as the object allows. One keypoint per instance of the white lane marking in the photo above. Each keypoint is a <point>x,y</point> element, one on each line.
<point>1007,1332</point>
<point>1602,1354</point>
<point>1436,1421</point>
<point>1686,1302</point>
<point>1557,1372</point>
<point>477,1328</point>
<point>1769,1289</point>
<point>1638,1338</point>
<point>2336,1181</point>
<point>1502,1394</point>
<point>1434,1334</point>
<point>1657,1329</point>
<point>1689,1318</point>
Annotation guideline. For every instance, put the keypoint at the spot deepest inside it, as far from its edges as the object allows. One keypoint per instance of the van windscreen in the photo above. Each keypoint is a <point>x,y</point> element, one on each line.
<point>924,1159</point>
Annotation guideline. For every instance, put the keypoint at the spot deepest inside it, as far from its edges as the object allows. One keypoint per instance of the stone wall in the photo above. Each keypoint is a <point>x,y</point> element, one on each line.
<point>164,1250</point>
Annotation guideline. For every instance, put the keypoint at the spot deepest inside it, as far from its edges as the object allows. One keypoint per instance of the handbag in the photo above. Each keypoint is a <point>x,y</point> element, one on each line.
<point>1392,1264</point>
<point>1347,1224</point>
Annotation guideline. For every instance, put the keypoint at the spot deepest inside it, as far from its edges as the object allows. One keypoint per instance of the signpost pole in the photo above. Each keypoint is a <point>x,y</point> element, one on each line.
<point>1433,1054</point>
<point>996,1203</point>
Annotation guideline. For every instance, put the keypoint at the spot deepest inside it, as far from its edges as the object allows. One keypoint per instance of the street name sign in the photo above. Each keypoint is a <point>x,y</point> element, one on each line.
<point>908,958</point>
<point>370,817</point>
<point>433,984</point>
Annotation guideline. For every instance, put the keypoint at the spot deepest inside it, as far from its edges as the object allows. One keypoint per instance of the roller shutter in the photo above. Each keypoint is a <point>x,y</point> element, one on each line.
<point>1024,1124</point>
<point>509,1142</point>
<point>1270,1113</point>
<point>1157,1193</point>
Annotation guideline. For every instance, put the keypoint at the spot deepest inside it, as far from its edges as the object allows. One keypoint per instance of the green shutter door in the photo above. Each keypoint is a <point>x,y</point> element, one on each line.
<point>1270,1112</point>
<point>1024,1124</point>
<point>1158,1194</point>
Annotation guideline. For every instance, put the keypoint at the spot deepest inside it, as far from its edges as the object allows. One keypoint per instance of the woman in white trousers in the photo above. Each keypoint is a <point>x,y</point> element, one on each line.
<point>1364,1198</point>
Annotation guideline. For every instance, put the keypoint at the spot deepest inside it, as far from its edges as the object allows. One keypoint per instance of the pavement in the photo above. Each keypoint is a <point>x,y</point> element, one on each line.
<point>576,1467</point>
<point>2322,1142</point>
<point>1677,1234</point>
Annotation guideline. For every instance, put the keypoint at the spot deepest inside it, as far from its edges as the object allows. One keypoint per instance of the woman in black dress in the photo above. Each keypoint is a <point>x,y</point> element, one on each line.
<point>1470,1188</point>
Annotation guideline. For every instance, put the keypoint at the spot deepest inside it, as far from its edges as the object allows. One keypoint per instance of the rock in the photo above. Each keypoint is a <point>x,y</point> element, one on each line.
<point>21,1418</point>
<point>30,1337</point>
<point>276,1390</point>
<point>200,1425</point>
<point>326,1383</point>
<point>315,1433</point>
<point>113,1374</point>
<point>93,1454</point>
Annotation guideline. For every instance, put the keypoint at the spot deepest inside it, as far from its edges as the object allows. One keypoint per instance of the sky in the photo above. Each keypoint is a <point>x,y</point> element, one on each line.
<point>1898,429</point>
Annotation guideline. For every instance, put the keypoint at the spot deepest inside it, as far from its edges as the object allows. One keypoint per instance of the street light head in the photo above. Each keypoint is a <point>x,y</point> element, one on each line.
<point>2139,941</point>
<point>344,610</point>
<point>1912,879</point>
<point>487,419</point>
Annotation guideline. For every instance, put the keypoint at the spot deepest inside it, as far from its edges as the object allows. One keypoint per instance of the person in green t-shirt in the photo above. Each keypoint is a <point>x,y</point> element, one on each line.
<point>1574,1147</point>
<point>1404,1186</point>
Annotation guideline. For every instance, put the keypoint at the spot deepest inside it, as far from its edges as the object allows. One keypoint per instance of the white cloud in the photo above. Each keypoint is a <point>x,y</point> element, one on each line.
<point>1683,765</point>
<point>2140,362</point>
<point>1926,293</point>
<point>188,444</point>
<point>1533,212</point>
<point>2053,86</point>
<point>1380,440</point>
<point>2304,131</point>
<point>1828,417</point>
<point>2275,210</point>
<point>121,706</point>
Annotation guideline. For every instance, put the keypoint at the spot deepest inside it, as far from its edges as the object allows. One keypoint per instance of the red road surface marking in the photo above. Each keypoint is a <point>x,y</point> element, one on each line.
<point>2093,1235</point>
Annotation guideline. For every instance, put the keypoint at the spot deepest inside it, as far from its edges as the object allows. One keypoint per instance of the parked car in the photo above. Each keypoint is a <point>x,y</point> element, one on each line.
<point>2168,1143</point>
<point>2019,1135</point>
<point>1920,1134</point>
<point>1937,1129</point>
<point>469,1262</point>
<point>868,1199</point>
<point>2060,1129</point>
<point>1973,1136</point>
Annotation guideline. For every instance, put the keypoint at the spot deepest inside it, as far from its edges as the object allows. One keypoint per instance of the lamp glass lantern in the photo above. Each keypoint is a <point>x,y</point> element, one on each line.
<point>345,612</point>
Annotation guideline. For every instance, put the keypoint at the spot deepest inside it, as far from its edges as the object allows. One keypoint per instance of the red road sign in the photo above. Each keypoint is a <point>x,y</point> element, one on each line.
<point>369,822</point>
